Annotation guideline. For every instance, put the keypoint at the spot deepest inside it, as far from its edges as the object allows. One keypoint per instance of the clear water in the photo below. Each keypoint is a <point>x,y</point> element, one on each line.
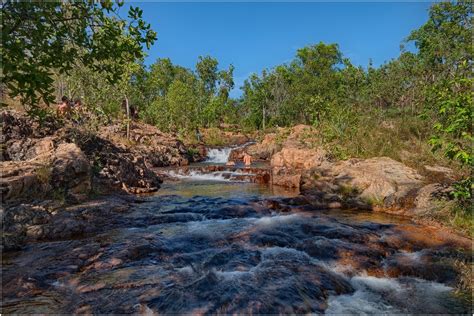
<point>213,247</point>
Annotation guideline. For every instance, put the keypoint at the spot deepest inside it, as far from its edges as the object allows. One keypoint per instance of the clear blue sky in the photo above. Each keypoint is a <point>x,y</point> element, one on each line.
<point>255,36</point>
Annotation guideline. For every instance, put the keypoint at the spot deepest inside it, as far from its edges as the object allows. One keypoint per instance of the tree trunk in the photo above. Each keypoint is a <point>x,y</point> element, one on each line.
<point>128,117</point>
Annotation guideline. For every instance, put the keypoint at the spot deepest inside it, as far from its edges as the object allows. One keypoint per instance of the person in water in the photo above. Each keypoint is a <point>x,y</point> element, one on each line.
<point>247,160</point>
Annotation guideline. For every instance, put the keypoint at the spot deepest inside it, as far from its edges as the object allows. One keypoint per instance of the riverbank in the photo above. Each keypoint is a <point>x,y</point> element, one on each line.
<point>50,165</point>
<point>298,160</point>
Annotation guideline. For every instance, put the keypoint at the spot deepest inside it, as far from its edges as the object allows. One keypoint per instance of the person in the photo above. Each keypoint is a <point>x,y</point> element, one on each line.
<point>198,135</point>
<point>63,107</point>
<point>247,160</point>
<point>78,111</point>
<point>230,163</point>
<point>77,104</point>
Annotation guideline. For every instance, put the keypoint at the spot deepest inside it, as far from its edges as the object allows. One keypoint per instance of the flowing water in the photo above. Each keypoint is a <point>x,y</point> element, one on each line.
<point>221,155</point>
<point>201,246</point>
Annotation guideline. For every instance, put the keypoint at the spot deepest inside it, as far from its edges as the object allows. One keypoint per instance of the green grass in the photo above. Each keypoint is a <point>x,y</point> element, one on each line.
<point>455,215</point>
<point>43,174</point>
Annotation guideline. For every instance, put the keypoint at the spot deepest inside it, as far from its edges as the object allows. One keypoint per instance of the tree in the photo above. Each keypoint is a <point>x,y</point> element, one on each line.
<point>181,100</point>
<point>40,38</point>
<point>206,68</point>
<point>445,48</point>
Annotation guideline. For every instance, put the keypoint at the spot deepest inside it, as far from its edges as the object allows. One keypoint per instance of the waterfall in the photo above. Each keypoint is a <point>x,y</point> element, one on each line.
<point>221,155</point>
<point>218,155</point>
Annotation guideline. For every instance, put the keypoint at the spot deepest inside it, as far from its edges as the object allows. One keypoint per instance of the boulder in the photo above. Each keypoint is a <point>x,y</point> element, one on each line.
<point>263,150</point>
<point>299,159</point>
<point>439,174</point>
<point>65,169</point>
<point>70,171</point>
<point>380,182</point>
<point>376,178</point>
<point>24,179</point>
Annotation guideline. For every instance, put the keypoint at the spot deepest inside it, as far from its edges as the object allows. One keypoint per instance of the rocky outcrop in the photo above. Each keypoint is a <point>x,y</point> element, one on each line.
<point>67,151</point>
<point>157,148</point>
<point>45,167</point>
<point>379,183</point>
<point>64,170</point>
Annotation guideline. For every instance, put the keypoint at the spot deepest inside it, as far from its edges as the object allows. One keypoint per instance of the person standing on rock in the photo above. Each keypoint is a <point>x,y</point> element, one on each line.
<point>198,135</point>
<point>247,160</point>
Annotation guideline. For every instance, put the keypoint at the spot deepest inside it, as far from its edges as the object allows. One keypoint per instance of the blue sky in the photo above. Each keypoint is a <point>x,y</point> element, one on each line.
<point>259,35</point>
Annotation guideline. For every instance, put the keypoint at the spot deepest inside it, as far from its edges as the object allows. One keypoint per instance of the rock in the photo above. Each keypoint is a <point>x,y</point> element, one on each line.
<point>439,174</point>
<point>289,164</point>
<point>39,152</point>
<point>263,150</point>
<point>66,169</point>
<point>286,178</point>
<point>381,182</point>
<point>21,179</point>
<point>158,149</point>
<point>376,178</point>
<point>71,171</point>
<point>22,222</point>
<point>428,197</point>
<point>299,159</point>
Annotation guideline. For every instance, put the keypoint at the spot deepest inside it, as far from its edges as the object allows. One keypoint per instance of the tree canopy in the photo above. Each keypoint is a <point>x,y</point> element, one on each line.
<point>42,38</point>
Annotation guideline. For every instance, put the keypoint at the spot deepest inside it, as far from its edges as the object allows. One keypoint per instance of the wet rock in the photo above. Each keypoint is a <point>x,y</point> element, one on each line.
<point>22,222</point>
<point>421,265</point>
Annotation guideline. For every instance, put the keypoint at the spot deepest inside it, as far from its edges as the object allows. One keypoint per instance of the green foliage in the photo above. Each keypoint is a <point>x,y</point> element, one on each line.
<point>454,128</point>
<point>175,98</point>
<point>445,48</point>
<point>398,110</point>
<point>41,38</point>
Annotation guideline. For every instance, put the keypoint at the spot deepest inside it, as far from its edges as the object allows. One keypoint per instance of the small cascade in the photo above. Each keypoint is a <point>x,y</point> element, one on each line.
<point>218,155</point>
<point>221,155</point>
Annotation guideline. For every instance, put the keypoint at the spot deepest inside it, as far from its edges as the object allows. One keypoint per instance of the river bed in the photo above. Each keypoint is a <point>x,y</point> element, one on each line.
<point>220,247</point>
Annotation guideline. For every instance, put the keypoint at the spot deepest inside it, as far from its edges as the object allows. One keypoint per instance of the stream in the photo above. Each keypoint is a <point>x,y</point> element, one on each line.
<point>211,245</point>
